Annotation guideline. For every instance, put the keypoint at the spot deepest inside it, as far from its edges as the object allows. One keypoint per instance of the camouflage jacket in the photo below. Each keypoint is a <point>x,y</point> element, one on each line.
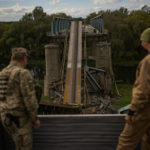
<point>17,93</point>
<point>141,90</point>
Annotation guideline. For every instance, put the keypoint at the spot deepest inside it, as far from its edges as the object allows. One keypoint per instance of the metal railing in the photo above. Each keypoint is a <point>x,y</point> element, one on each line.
<point>98,23</point>
<point>58,24</point>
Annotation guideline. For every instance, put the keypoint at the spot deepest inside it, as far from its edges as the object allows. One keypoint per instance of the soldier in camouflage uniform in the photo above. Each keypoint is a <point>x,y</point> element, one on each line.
<point>137,125</point>
<point>18,103</point>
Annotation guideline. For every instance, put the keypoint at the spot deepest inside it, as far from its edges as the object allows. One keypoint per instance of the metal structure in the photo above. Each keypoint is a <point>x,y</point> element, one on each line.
<point>124,109</point>
<point>98,23</point>
<point>92,80</point>
<point>58,24</point>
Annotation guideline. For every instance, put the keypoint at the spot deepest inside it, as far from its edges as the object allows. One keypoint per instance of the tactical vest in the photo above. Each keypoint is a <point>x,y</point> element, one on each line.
<point>6,75</point>
<point>3,87</point>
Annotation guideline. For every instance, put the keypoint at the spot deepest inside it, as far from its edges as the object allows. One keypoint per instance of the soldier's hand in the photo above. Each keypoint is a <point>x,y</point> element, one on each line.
<point>37,124</point>
<point>128,119</point>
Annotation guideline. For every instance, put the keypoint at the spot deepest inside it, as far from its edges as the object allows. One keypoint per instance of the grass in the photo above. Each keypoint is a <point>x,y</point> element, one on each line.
<point>45,98</point>
<point>126,95</point>
<point>125,63</point>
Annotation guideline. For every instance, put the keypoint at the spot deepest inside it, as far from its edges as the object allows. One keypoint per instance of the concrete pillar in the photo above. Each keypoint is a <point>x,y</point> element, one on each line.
<point>90,49</point>
<point>103,60</point>
<point>102,55</point>
<point>52,58</point>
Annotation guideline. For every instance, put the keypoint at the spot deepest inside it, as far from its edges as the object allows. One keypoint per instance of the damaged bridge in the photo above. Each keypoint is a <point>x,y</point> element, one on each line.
<point>79,74</point>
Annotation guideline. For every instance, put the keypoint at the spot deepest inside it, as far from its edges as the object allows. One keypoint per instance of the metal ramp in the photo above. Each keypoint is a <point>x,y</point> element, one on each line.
<point>78,132</point>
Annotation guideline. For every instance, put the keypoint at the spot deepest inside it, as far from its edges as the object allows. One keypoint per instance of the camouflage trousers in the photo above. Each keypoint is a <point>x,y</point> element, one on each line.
<point>20,129</point>
<point>133,133</point>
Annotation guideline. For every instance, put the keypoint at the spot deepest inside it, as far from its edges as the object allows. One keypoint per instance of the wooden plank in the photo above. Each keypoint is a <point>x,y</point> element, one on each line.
<point>50,103</point>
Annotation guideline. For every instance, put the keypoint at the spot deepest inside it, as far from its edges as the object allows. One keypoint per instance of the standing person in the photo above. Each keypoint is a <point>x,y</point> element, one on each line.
<point>18,103</point>
<point>137,125</point>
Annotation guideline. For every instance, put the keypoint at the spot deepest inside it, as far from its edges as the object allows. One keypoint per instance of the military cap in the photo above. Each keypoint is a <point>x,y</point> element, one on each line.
<point>19,51</point>
<point>145,36</point>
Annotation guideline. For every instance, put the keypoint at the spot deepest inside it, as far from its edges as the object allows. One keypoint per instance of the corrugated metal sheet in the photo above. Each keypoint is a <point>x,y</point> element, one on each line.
<point>78,132</point>
<point>75,132</point>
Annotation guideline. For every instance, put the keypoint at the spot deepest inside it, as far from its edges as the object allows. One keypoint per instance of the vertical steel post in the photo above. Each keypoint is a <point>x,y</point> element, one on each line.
<point>56,25</point>
<point>57,29</point>
<point>52,25</point>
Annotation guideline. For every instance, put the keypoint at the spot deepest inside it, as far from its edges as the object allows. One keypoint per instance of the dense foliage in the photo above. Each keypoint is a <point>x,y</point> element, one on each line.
<point>29,32</point>
<point>124,27</point>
